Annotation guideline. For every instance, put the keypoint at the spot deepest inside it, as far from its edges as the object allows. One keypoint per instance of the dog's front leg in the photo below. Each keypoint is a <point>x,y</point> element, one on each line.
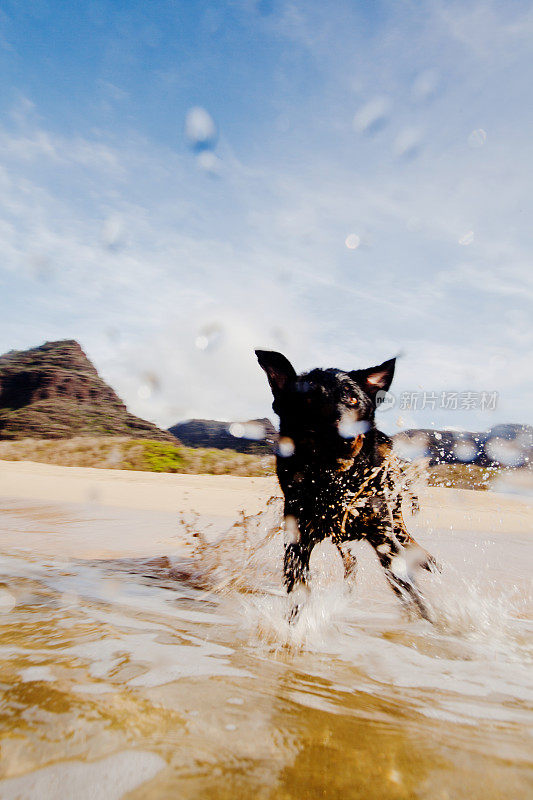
<point>422,558</point>
<point>296,573</point>
<point>296,563</point>
<point>349,561</point>
<point>392,558</point>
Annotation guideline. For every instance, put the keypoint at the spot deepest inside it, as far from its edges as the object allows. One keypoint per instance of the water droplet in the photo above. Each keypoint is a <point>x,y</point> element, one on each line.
<point>467,238</point>
<point>411,448</point>
<point>398,567</point>
<point>352,241</point>
<point>477,138</point>
<point>202,342</point>
<point>113,232</point>
<point>209,336</point>
<point>350,429</point>
<point>425,85</point>
<point>209,162</point>
<point>248,430</point>
<point>285,447</point>
<point>408,143</point>
<point>507,452</point>
<point>200,128</point>
<point>144,392</point>
<point>465,450</point>
<point>373,116</point>
<point>237,429</point>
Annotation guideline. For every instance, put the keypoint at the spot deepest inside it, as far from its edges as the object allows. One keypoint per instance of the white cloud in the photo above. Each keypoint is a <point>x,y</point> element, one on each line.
<point>487,29</point>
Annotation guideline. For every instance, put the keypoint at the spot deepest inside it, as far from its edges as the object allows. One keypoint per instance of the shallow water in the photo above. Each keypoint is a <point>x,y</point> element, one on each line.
<point>180,677</point>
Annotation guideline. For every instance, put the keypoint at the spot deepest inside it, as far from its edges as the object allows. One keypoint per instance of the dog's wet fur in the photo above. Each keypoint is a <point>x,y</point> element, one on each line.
<point>338,473</point>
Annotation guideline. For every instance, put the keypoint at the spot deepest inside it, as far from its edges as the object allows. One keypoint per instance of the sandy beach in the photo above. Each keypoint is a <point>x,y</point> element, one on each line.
<point>215,498</point>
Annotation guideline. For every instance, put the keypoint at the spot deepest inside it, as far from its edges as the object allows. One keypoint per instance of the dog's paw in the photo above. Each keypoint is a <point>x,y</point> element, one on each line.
<point>294,613</point>
<point>431,564</point>
<point>299,597</point>
<point>421,559</point>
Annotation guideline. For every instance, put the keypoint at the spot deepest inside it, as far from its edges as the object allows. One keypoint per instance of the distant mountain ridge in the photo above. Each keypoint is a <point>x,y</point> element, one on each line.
<point>254,436</point>
<point>504,445</point>
<point>54,392</point>
<point>508,445</point>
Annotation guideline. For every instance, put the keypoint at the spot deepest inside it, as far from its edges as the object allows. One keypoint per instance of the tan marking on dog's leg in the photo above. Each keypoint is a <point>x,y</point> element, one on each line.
<point>348,559</point>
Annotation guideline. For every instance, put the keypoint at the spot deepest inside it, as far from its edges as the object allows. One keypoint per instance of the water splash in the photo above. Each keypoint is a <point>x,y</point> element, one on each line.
<point>246,558</point>
<point>480,610</point>
<point>244,566</point>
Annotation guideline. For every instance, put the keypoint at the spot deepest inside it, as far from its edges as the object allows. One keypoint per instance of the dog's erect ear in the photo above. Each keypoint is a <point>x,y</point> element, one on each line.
<point>375,379</point>
<point>279,369</point>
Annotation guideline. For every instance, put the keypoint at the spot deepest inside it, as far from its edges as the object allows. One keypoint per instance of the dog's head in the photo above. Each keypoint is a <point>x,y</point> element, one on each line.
<point>325,409</point>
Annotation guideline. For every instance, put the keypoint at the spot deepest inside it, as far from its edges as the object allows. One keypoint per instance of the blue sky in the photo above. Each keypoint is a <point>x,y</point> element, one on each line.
<point>399,128</point>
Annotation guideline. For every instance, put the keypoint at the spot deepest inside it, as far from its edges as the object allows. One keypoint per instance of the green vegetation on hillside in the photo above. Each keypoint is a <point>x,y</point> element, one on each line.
<point>462,476</point>
<point>115,452</point>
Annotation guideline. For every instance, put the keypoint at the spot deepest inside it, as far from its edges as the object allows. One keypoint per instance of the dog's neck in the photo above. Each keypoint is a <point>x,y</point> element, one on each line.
<point>346,463</point>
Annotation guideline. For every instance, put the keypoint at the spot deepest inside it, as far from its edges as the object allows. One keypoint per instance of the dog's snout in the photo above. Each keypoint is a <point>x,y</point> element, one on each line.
<point>312,395</point>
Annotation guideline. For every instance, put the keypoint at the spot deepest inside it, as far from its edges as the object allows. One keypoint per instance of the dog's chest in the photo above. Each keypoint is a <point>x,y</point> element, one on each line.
<point>329,499</point>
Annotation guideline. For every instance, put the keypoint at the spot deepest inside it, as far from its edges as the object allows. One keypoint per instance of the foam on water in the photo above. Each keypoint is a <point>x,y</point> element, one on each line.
<point>110,777</point>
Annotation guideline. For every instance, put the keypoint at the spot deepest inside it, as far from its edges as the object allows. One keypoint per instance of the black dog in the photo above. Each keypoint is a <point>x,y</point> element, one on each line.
<point>338,474</point>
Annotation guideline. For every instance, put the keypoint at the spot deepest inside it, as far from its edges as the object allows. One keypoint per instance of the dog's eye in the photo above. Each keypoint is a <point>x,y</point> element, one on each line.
<point>352,401</point>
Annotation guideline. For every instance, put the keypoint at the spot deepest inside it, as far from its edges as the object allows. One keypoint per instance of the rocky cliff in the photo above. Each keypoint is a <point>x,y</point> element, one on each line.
<point>54,392</point>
